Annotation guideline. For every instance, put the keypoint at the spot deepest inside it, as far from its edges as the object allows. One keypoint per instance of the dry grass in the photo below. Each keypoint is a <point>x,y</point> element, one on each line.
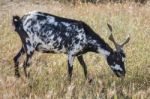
<point>48,71</point>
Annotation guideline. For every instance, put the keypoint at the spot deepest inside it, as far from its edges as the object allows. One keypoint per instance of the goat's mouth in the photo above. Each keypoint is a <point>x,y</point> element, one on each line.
<point>119,74</point>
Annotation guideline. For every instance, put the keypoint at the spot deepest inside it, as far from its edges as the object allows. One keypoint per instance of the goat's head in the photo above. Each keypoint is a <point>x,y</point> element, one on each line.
<point>116,58</point>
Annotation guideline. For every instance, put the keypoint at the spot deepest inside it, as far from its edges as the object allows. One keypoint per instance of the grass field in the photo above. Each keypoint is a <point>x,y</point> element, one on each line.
<point>48,72</point>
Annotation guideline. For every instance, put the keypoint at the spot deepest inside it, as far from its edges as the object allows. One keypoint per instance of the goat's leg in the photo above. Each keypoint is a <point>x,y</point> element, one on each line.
<point>27,63</point>
<point>81,61</point>
<point>70,66</point>
<point>16,61</point>
<point>29,53</point>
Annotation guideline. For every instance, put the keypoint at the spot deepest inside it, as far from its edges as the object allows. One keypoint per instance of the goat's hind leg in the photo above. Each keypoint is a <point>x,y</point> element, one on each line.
<point>29,54</point>
<point>16,61</point>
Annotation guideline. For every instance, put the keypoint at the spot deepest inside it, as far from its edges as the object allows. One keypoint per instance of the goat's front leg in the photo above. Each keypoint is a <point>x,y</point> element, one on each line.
<point>70,66</point>
<point>81,61</point>
<point>16,61</point>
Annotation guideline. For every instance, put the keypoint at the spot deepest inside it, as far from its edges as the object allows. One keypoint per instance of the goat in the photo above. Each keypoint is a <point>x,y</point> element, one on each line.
<point>53,34</point>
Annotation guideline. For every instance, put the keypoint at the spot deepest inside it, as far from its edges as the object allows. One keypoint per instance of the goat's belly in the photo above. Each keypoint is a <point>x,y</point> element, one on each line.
<point>50,48</point>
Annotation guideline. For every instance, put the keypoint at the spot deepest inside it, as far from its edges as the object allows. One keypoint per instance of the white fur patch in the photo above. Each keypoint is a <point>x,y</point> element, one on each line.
<point>80,36</point>
<point>79,30</point>
<point>104,52</point>
<point>37,27</point>
<point>59,39</point>
<point>70,59</point>
<point>32,16</point>
<point>117,67</point>
<point>66,24</point>
<point>123,59</point>
<point>62,50</point>
<point>26,25</point>
<point>51,19</point>
<point>30,49</point>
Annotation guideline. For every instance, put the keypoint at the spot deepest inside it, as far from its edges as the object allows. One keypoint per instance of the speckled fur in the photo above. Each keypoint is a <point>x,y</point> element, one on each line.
<point>52,34</point>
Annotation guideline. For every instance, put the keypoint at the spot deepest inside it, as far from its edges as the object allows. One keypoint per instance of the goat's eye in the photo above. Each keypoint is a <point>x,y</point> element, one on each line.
<point>118,59</point>
<point>123,55</point>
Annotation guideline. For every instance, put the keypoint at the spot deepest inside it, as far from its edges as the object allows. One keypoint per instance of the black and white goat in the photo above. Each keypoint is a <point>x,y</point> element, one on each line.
<point>52,34</point>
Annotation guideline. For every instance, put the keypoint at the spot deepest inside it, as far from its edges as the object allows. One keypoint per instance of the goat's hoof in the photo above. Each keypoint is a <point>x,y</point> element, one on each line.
<point>27,75</point>
<point>90,80</point>
<point>69,79</point>
<point>17,75</point>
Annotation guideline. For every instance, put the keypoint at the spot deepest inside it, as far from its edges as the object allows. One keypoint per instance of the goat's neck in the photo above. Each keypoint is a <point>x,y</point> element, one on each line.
<point>98,45</point>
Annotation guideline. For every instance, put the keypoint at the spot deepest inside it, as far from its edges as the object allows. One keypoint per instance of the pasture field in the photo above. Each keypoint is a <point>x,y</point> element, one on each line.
<point>48,72</point>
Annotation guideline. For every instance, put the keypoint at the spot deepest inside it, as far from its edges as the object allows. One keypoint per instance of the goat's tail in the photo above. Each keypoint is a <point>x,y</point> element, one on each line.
<point>16,21</point>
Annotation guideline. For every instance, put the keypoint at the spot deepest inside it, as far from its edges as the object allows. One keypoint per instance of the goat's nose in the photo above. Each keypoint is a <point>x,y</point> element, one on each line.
<point>123,75</point>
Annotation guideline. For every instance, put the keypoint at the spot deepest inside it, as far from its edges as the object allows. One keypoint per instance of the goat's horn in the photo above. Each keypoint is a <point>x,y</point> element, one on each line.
<point>110,27</point>
<point>111,38</point>
<point>126,41</point>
